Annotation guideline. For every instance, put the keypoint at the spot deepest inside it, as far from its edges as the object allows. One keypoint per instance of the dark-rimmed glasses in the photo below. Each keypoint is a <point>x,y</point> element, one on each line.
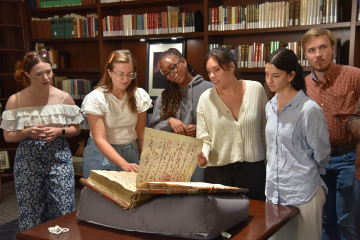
<point>123,75</point>
<point>173,70</point>
<point>33,55</point>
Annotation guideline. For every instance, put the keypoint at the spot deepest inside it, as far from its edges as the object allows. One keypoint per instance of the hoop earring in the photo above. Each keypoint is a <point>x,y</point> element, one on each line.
<point>29,81</point>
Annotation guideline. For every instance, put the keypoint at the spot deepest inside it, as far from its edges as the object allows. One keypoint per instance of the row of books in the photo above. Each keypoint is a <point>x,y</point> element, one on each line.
<point>85,124</point>
<point>77,88</point>
<point>58,3</point>
<point>273,15</point>
<point>172,21</point>
<point>255,55</point>
<point>69,26</point>
<point>59,59</point>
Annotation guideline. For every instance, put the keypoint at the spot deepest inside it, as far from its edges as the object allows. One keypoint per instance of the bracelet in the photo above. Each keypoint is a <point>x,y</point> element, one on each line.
<point>168,120</point>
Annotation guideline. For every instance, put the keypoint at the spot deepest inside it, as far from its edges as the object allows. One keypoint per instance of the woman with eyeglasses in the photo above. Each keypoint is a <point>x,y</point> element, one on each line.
<point>40,117</point>
<point>231,121</point>
<point>175,108</point>
<point>298,147</point>
<point>116,111</point>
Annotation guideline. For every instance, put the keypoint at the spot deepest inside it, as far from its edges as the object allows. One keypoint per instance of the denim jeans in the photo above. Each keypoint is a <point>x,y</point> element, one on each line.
<point>357,207</point>
<point>95,160</point>
<point>338,212</point>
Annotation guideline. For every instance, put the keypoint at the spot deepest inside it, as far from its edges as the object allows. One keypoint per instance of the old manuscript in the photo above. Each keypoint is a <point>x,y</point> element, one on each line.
<point>167,163</point>
<point>167,157</point>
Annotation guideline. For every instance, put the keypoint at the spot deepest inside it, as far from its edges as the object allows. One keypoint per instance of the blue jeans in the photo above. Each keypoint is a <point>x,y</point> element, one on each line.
<point>95,160</point>
<point>357,207</point>
<point>338,212</point>
<point>198,175</point>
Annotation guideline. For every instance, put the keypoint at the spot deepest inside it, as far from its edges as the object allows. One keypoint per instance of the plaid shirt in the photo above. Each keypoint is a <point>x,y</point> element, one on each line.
<point>337,98</point>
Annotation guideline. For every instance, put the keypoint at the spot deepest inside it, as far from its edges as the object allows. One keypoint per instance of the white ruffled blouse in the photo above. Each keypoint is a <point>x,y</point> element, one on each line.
<point>49,115</point>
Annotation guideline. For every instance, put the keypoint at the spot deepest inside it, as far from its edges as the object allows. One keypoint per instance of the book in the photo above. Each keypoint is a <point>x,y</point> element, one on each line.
<point>167,163</point>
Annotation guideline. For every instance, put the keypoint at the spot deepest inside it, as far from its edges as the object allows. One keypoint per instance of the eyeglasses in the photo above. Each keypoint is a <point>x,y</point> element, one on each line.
<point>122,75</point>
<point>173,70</point>
<point>33,55</point>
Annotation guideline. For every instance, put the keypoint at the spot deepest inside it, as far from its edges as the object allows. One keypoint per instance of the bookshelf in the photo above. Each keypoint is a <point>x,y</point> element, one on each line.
<point>88,55</point>
<point>13,45</point>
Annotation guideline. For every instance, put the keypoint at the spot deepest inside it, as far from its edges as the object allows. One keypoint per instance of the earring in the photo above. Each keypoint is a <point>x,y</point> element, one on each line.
<point>290,84</point>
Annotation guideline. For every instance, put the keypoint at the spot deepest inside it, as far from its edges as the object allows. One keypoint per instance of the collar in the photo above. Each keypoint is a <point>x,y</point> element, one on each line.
<point>294,102</point>
<point>329,73</point>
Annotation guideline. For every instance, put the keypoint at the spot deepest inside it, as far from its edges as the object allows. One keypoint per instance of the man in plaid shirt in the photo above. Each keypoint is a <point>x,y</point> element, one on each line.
<point>336,88</point>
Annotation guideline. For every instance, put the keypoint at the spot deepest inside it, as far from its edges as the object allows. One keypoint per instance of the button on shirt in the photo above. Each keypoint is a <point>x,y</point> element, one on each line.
<point>298,150</point>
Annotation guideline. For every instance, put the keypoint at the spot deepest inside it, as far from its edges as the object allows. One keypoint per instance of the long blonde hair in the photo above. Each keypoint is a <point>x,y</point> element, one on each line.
<point>120,56</point>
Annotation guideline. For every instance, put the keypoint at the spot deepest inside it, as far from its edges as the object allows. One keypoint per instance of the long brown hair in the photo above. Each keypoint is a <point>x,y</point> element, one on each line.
<point>173,92</point>
<point>120,56</point>
<point>28,62</point>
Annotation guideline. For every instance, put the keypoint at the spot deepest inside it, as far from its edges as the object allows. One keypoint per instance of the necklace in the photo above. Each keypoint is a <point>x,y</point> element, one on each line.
<point>39,96</point>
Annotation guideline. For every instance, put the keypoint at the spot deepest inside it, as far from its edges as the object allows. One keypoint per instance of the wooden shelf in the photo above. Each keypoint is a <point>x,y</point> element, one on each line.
<point>146,3</point>
<point>76,70</point>
<point>12,50</point>
<point>10,25</point>
<point>10,1</point>
<point>8,149</point>
<point>156,36</point>
<point>67,8</point>
<point>4,175</point>
<point>280,30</point>
<point>262,70</point>
<point>66,40</point>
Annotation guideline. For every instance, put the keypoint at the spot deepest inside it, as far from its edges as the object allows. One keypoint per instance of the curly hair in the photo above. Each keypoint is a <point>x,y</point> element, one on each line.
<point>120,56</point>
<point>173,92</point>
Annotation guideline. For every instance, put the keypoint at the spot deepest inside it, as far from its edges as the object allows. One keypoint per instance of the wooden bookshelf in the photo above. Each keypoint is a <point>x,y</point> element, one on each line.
<point>14,44</point>
<point>88,55</point>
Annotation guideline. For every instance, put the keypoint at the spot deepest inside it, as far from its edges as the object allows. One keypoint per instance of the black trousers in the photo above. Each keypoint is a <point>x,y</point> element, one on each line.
<point>251,175</point>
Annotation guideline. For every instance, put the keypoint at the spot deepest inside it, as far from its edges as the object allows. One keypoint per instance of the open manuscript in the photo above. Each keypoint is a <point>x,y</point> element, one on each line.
<point>167,163</point>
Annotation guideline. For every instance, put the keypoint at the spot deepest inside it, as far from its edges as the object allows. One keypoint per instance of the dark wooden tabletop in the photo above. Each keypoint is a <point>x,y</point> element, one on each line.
<point>263,221</point>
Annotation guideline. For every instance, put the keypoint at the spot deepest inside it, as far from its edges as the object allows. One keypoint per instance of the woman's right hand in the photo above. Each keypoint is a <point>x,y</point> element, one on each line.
<point>178,126</point>
<point>130,167</point>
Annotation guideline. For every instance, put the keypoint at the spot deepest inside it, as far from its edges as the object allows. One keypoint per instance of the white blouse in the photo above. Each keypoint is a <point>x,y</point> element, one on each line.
<point>119,121</point>
<point>50,115</point>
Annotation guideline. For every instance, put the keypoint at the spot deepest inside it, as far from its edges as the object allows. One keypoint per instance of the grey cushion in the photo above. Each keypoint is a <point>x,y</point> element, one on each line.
<point>198,216</point>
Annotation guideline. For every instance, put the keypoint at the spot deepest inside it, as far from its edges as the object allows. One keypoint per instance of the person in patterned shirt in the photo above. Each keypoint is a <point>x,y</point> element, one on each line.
<point>336,88</point>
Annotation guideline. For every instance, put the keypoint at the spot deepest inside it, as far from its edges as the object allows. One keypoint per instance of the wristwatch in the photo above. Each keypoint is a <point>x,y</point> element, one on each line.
<point>63,131</point>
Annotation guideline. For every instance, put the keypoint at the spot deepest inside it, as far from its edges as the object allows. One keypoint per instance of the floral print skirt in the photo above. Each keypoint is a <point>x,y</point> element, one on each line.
<point>44,181</point>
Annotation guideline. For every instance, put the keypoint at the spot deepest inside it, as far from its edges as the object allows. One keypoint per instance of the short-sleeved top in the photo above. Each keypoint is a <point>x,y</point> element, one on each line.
<point>57,115</point>
<point>119,121</point>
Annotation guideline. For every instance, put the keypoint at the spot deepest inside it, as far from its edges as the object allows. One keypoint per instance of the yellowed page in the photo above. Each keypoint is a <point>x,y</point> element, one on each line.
<point>167,157</point>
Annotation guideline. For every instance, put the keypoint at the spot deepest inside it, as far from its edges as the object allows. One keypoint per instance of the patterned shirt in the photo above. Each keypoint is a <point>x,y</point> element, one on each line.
<point>298,150</point>
<point>337,98</point>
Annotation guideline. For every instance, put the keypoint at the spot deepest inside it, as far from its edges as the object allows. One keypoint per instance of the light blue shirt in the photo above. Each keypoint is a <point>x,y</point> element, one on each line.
<point>298,149</point>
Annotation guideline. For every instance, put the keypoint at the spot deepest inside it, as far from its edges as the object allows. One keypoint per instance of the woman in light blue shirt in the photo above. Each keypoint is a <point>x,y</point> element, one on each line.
<point>298,147</point>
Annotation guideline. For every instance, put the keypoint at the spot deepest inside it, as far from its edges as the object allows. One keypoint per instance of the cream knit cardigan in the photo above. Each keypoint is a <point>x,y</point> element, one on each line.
<point>227,140</point>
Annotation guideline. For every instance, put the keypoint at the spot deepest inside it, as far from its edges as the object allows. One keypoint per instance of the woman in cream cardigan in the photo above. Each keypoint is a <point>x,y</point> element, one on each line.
<point>231,121</point>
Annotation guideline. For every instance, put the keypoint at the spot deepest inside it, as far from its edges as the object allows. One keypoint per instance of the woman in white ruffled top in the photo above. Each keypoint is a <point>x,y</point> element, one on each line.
<point>116,111</point>
<point>40,117</point>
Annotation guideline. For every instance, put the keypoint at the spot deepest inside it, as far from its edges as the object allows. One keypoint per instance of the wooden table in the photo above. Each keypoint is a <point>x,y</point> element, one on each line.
<point>263,221</point>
